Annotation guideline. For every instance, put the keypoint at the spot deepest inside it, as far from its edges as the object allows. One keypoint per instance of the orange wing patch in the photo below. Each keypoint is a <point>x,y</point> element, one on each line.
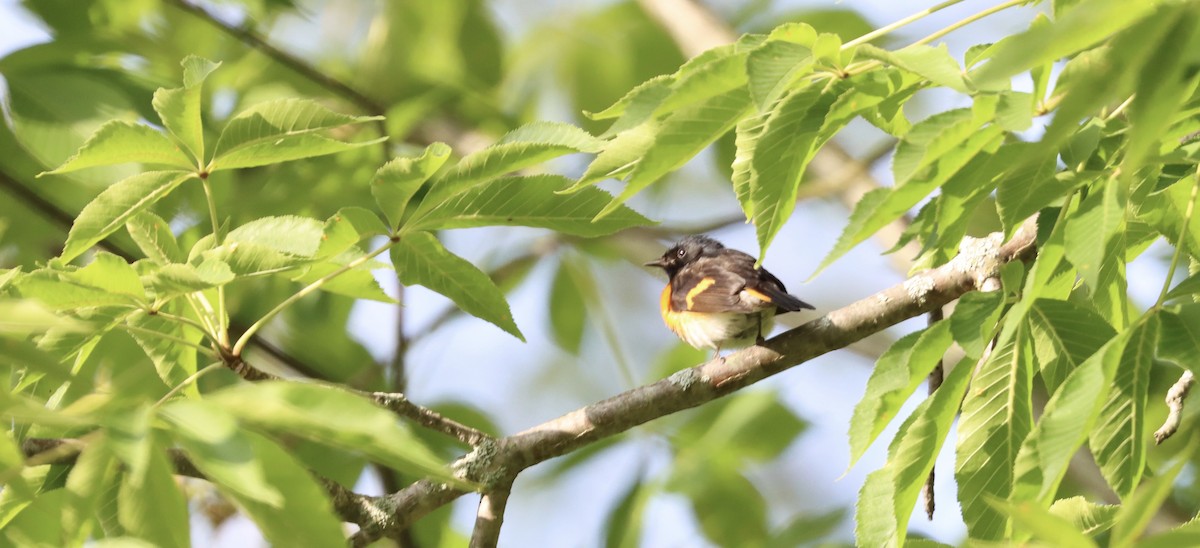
<point>700,287</point>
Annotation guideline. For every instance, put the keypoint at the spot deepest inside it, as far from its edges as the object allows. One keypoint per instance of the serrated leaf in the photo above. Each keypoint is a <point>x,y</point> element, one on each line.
<point>523,147</point>
<point>120,142</point>
<point>163,341</point>
<point>790,138</point>
<point>177,279</point>
<point>1187,534</point>
<point>331,416</point>
<point>1085,516</point>
<point>1179,337</point>
<point>179,108</point>
<point>1189,286</point>
<point>746,136</point>
<point>997,414</point>
<point>1118,441</point>
<point>397,181</point>
<point>110,273</point>
<point>1140,508</point>
<point>1092,231</point>
<point>773,67</point>
<point>94,469</point>
<point>889,494</point>
<point>356,283</point>
<point>713,72</point>
<point>153,236</point>
<point>679,137</point>
<point>1071,32</point>
<point>1070,415</point>
<point>973,322</point>
<point>269,245</point>
<point>109,211</point>
<point>1064,335</point>
<point>217,446</point>
<point>1033,519</point>
<point>282,130</point>
<point>1032,188</point>
<point>897,374</point>
<point>420,259</point>
<point>932,62</point>
<point>531,201</point>
<point>637,106</point>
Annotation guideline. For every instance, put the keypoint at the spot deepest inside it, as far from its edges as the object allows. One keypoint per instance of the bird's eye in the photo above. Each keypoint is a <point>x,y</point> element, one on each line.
<point>682,252</point>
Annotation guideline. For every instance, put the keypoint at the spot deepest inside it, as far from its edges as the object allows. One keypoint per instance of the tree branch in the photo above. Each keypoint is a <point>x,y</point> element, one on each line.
<point>490,464</point>
<point>490,516</point>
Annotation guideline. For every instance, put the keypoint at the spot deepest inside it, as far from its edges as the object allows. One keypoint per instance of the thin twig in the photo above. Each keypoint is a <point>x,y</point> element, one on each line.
<point>935,381</point>
<point>1175,398</point>
<point>490,516</point>
<point>400,405</point>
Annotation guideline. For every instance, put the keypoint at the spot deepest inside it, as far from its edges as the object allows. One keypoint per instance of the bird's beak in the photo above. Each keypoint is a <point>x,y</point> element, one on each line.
<point>659,262</point>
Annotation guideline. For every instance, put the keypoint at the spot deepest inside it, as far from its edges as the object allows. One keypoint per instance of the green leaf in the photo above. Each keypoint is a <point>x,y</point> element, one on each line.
<point>1064,335</point>
<point>334,417</point>
<point>1179,339</point>
<point>520,148</point>
<point>776,65</point>
<point>899,371</point>
<point>153,236</point>
<point>1094,230</point>
<point>623,525</point>
<point>1071,414</point>
<point>150,505</point>
<point>177,279</point>
<point>420,259</point>
<point>1187,534</point>
<point>1032,188</point>
<point>790,138</point>
<point>930,154</point>
<point>889,494</point>
<point>357,283</point>
<point>269,245</point>
<point>397,181</point>
<point>1085,516</point>
<point>163,341</point>
<point>179,108</point>
<point>1187,287</point>
<point>973,323</point>
<point>679,137</point>
<point>933,63</point>
<point>1073,31</point>
<point>1044,525</point>
<point>93,470</point>
<point>118,203</point>
<point>567,307</point>
<point>1141,507</point>
<point>713,72</point>
<point>1118,441</point>
<point>531,201</point>
<point>997,415</point>
<point>110,273</point>
<point>637,106</point>
<point>282,130</point>
<point>221,450</point>
<point>119,142</point>
<point>59,291</point>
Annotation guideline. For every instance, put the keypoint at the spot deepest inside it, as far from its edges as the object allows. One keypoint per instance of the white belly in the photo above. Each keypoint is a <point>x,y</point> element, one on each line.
<point>724,330</point>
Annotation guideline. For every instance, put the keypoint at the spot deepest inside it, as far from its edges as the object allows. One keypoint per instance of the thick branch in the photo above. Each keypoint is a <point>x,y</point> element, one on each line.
<point>698,385</point>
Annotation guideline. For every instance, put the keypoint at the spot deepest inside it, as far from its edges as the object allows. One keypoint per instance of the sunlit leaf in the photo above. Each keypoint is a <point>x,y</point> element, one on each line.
<point>118,203</point>
<point>119,142</point>
<point>179,108</point>
<point>282,130</point>
<point>398,180</point>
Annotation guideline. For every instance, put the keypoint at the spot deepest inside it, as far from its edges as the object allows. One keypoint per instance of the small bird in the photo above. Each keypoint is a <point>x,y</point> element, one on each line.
<point>716,297</point>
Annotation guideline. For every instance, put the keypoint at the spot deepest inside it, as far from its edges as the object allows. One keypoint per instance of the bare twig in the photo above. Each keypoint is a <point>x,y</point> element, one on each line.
<point>935,381</point>
<point>400,405</point>
<point>490,516</point>
<point>1175,398</point>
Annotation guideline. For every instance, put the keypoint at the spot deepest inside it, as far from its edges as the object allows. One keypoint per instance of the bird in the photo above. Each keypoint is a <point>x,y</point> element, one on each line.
<point>715,296</point>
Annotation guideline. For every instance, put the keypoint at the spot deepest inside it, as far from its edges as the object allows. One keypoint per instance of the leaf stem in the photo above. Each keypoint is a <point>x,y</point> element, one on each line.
<point>181,320</point>
<point>191,379</point>
<point>221,316</point>
<point>245,338</point>
<point>881,31</point>
<point>177,340</point>
<point>1182,243</point>
<point>969,19</point>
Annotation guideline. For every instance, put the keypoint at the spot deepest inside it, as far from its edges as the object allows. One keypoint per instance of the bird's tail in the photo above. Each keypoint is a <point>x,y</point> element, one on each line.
<point>786,302</point>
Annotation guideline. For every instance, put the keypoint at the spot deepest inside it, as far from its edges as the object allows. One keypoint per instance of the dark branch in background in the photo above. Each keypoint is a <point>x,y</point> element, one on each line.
<point>1175,398</point>
<point>491,464</point>
<point>253,40</point>
<point>935,381</point>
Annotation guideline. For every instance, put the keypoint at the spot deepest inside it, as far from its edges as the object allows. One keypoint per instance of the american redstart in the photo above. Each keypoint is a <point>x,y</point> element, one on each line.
<point>716,296</point>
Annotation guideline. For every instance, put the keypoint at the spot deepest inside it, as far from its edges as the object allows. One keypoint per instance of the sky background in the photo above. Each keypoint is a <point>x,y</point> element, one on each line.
<point>475,362</point>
